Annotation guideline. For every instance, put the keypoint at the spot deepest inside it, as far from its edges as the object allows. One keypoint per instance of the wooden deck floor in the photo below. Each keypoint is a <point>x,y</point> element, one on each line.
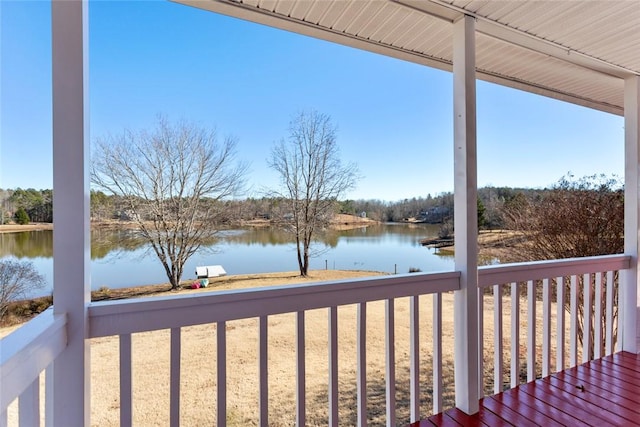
<point>604,392</point>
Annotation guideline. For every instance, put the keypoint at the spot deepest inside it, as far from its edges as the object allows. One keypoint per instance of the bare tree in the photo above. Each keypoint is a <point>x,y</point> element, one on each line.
<point>575,218</point>
<point>17,279</point>
<point>312,176</point>
<point>173,181</point>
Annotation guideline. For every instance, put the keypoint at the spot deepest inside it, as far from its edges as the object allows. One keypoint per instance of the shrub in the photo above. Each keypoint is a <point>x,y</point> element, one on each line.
<point>21,217</point>
<point>446,230</point>
<point>104,290</point>
<point>17,278</point>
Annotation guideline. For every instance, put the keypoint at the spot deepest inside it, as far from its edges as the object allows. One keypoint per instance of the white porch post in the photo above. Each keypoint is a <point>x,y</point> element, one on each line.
<point>465,219</point>
<point>629,278</point>
<point>71,234</point>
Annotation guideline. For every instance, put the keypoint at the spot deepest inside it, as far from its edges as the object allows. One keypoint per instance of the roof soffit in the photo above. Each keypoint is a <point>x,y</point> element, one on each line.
<point>525,45</point>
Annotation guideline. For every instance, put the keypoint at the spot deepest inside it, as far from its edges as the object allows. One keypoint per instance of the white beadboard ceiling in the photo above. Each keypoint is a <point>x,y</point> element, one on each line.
<point>576,51</point>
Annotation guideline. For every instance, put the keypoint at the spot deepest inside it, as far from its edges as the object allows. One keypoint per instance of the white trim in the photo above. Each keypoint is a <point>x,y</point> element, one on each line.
<point>531,330</point>
<point>538,270</point>
<point>148,314</point>
<point>263,370</point>
<point>174,377</point>
<point>27,351</point>
<point>71,233</point>
<point>437,353</point>
<point>361,364</point>
<point>450,13</point>
<point>301,393</point>
<point>333,378</point>
<point>221,373</point>
<point>465,220</point>
<point>390,361</point>
<point>629,278</point>
<point>414,358</point>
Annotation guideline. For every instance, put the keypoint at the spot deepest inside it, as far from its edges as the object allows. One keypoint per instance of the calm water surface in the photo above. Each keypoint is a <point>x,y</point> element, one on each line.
<point>120,259</point>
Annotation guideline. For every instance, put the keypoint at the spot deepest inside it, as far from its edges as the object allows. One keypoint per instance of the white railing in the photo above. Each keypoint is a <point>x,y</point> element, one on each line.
<point>24,355</point>
<point>552,340</point>
<point>174,313</point>
<point>559,287</point>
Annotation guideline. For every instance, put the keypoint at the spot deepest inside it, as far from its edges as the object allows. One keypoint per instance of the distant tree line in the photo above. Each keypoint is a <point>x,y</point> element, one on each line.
<point>495,206</point>
<point>24,206</point>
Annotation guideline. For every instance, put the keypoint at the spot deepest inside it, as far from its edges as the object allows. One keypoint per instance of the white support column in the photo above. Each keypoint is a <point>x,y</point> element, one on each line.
<point>629,278</point>
<point>71,235</point>
<point>465,219</point>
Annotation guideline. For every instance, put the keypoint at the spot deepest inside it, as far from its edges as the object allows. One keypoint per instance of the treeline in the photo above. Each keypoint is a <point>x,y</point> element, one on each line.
<point>431,209</point>
<point>497,206</point>
<point>37,204</point>
<point>24,206</point>
<point>439,209</point>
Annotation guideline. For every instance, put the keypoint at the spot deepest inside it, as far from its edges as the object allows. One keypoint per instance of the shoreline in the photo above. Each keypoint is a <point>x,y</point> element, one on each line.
<point>34,226</point>
<point>340,222</point>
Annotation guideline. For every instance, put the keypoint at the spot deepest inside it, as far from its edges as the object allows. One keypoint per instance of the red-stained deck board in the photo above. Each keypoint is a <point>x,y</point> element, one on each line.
<point>506,413</point>
<point>566,419</point>
<point>624,363</point>
<point>577,408</point>
<point>604,392</point>
<point>602,406</point>
<point>524,405</point>
<point>482,418</point>
<point>607,377</point>
<point>427,423</point>
<point>439,420</point>
<point>593,381</point>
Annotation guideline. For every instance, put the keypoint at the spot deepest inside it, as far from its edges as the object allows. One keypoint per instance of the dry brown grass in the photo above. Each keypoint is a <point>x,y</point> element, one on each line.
<point>34,226</point>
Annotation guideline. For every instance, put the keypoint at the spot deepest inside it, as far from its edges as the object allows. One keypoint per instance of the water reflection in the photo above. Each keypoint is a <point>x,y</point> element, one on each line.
<point>122,258</point>
<point>36,244</point>
<point>29,244</point>
<point>104,242</point>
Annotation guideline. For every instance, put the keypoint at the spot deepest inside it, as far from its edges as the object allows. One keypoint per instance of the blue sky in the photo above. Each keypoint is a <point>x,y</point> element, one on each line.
<point>394,118</point>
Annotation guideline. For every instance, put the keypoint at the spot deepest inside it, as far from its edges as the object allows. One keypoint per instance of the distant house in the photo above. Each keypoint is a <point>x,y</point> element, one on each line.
<point>128,215</point>
<point>434,215</point>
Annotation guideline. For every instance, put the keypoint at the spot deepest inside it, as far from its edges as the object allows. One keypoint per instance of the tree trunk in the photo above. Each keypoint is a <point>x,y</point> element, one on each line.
<point>175,279</point>
<point>301,264</point>
<point>305,259</point>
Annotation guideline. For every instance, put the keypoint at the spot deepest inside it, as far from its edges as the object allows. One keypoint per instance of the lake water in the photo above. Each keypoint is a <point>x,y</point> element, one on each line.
<point>119,259</point>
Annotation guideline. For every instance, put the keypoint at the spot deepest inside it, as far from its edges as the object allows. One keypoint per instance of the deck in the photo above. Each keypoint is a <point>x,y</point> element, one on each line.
<point>603,392</point>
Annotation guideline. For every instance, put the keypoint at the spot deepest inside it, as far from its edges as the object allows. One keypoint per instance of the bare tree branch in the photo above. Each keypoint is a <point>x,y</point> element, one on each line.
<point>312,177</point>
<point>174,180</point>
<point>17,279</point>
<point>575,218</point>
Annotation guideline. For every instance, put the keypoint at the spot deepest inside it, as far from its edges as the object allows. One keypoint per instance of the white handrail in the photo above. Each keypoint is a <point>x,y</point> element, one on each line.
<point>149,314</point>
<point>28,351</point>
<point>538,270</point>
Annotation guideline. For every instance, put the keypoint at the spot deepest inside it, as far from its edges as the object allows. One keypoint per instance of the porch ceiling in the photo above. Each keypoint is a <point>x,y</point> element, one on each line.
<point>577,51</point>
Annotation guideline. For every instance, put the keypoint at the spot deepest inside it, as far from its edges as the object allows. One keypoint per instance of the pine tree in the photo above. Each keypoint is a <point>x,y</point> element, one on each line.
<point>22,217</point>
